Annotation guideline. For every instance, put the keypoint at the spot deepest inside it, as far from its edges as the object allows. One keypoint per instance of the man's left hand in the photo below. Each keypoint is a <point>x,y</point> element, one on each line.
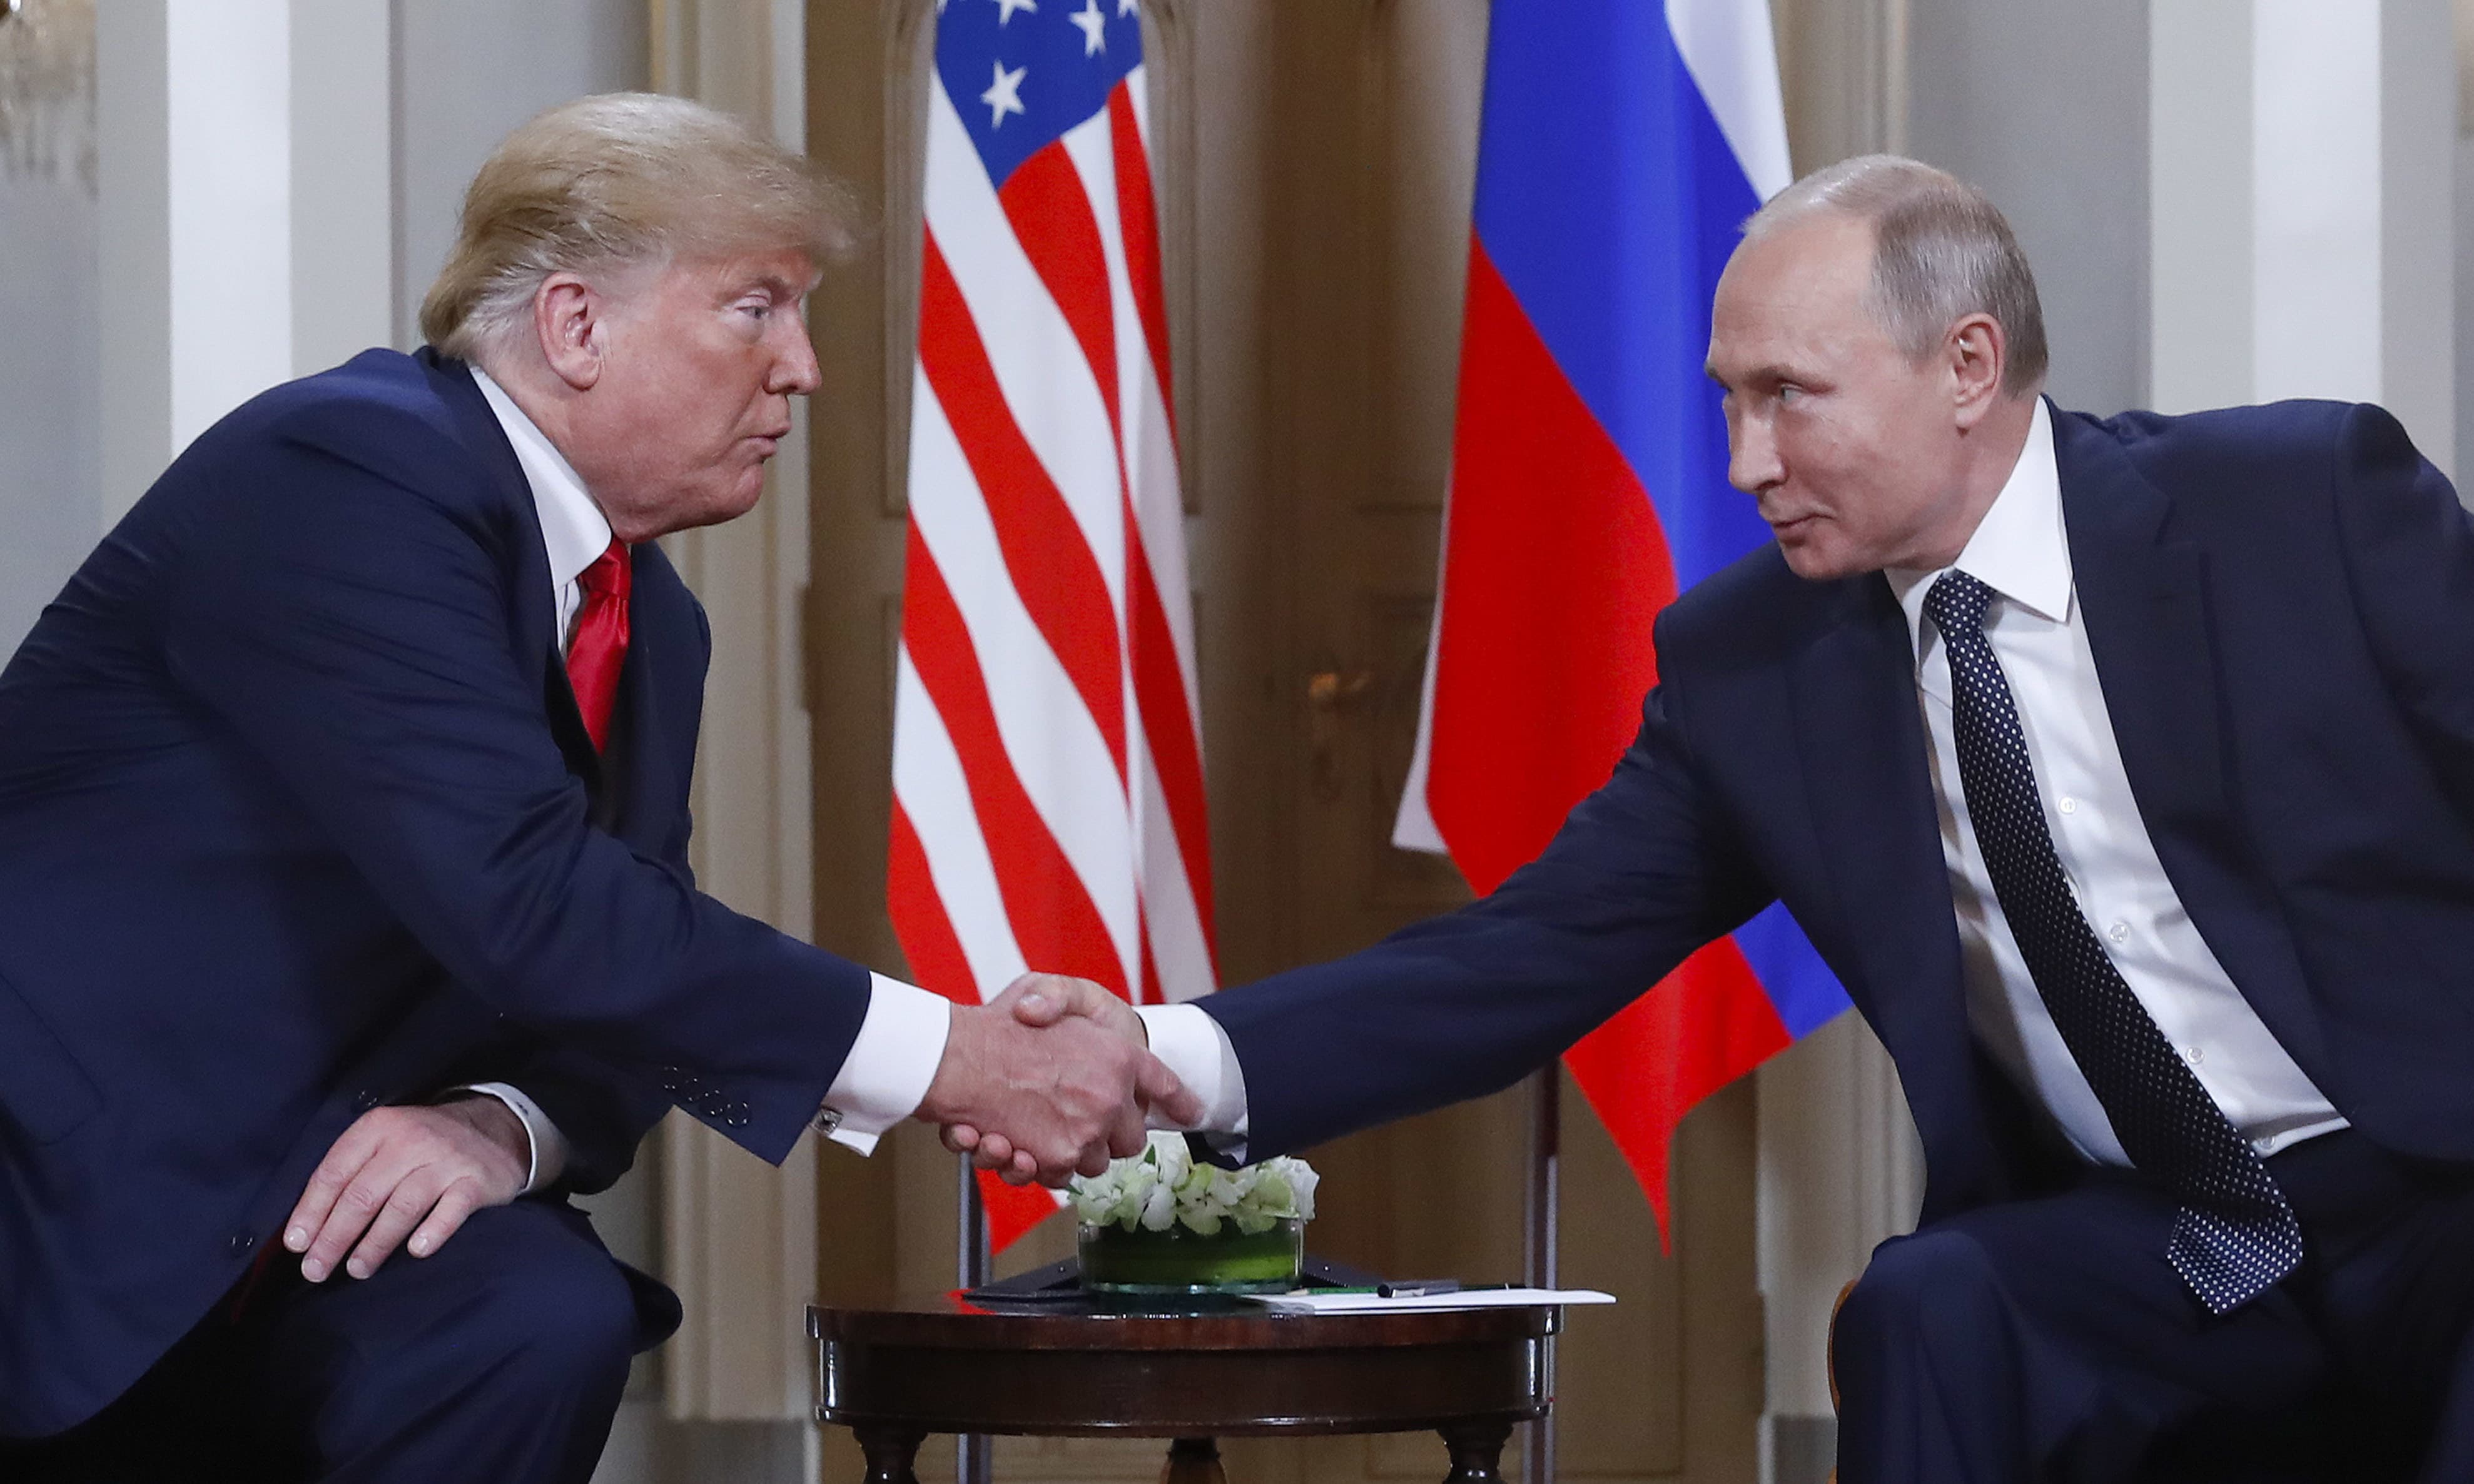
<point>399,1170</point>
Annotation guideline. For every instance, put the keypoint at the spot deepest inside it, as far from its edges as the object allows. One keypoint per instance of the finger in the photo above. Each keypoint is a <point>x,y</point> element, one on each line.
<point>411,1201</point>
<point>1163,1089</point>
<point>354,1212</point>
<point>1127,1139</point>
<point>959,1138</point>
<point>1094,1158</point>
<point>455,1206</point>
<point>995,1153</point>
<point>328,1182</point>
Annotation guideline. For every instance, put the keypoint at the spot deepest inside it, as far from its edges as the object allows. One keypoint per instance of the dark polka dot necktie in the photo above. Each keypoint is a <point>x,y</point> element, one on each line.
<point>2236,1236</point>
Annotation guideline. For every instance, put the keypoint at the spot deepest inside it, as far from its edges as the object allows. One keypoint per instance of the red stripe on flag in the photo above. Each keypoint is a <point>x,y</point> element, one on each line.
<point>1554,569</point>
<point>919,921</point>
<point>1168,726</point>
<point>1013,1210</point>
<point>1053,917</point>
<point>1052,218</point>
<point>1138,223</point>
<point>1052,567</point>
<point>937,963</point>
<point>1704,1025</point>
<point>1150,991</point>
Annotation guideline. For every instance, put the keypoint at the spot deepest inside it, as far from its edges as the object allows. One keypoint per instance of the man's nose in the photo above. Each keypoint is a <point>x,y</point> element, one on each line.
<point>795,372</point>
<point>1752,456</point>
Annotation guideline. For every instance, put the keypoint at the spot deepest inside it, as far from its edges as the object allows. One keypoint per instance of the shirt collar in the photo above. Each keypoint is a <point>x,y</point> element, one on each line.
<point>575,532</point>
<point>2020,549</point>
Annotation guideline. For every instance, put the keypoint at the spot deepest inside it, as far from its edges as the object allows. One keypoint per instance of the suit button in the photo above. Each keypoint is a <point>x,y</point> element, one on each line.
<point>364,1100</point>
<point>242,1242</point>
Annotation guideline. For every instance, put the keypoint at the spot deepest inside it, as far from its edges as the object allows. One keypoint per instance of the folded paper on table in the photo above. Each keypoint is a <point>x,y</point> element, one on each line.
<point>1329,1302</point>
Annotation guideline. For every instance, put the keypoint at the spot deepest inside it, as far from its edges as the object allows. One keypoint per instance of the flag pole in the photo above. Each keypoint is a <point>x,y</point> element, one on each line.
<point>1538,1245</point>
<point>971,1460</point>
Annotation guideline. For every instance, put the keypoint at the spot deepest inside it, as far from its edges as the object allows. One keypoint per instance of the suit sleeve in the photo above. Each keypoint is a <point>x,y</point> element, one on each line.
<point>1643,872</point>
<point>2409,550</point>
<point>349,621</point>
<point>603,1113</point>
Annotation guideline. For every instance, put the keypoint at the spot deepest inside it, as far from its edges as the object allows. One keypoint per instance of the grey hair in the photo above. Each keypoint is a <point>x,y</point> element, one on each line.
<point>1941,251</point>
<point>615,183</point>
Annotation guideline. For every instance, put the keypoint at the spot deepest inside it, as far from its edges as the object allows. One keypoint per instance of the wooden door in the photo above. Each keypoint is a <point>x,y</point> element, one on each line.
<point>1316,159</point>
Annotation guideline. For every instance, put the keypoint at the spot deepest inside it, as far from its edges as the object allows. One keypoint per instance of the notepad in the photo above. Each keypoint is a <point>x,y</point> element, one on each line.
<point>1311,1301</point>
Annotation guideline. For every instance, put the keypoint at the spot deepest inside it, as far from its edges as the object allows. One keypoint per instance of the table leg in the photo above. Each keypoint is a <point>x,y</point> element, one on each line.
<point>1477,1452</point>
<point>890,1451</point>
<point>1192,1461</point>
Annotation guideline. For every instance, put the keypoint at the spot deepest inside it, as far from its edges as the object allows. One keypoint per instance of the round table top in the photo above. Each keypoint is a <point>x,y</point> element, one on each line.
<point>935,1363</point>
<point>949,1320</point>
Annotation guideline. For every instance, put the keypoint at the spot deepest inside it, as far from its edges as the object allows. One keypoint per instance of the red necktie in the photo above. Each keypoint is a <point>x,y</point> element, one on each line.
<point>600,647</point>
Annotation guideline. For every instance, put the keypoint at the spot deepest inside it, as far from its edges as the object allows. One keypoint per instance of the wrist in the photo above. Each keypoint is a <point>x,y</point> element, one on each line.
<point>497,1123</point>
<point>949,1086</point>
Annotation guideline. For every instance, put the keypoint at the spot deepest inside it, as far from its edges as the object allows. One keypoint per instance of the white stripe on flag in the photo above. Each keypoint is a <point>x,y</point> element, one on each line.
<point>1039,363</point>
<point>1055,747</point>
<point>1151,453</point>
<point>928,780</point>
<point>1727,47</point>
<point>1179,950</point>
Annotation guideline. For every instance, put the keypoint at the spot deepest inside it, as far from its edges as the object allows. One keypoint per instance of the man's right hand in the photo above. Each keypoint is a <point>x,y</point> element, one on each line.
<point>1050,1080</point>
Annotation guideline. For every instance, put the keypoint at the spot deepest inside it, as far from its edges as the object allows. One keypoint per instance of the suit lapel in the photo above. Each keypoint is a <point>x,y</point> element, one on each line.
<point>2144,602</point>
<point>2144,592</point>
<point>1872,798</point>
<point>532,611</point>
<point>645,781</point>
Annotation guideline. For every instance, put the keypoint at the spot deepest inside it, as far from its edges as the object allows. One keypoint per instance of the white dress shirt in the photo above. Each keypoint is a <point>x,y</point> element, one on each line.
<point>902,1037</point>
<point>2037,632</point>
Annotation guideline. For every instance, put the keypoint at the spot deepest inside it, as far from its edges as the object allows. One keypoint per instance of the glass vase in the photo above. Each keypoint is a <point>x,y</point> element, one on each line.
<point>1184,1262</point>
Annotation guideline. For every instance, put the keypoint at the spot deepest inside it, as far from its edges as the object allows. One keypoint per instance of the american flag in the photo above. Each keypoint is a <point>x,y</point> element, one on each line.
<point>1048,803</point>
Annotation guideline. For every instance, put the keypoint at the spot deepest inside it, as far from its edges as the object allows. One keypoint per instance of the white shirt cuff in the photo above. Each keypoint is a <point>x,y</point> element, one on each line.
<point>1193,1045</point>
<point>545,1146</point>
<point>886,1077</point>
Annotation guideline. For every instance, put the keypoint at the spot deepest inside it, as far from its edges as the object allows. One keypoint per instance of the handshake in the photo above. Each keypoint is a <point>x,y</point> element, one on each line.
<point>1053,1078</point>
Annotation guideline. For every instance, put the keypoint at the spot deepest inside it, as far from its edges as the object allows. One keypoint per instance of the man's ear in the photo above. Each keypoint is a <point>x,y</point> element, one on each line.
<point>569,320</point>
<point>1976,350</point>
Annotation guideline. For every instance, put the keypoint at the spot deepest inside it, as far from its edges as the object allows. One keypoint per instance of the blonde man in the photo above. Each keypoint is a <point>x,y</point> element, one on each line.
<point>346,924</point>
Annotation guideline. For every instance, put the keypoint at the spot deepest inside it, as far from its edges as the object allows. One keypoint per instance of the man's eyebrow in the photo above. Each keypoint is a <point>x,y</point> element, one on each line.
<point>1767,371</point>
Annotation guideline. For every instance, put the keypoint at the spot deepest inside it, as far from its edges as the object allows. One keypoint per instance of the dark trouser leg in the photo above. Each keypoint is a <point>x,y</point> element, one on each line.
<point>501,1357</point>
<point>2047,1340</point>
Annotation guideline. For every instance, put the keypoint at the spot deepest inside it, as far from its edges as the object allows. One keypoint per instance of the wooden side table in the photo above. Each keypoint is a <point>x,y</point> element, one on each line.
<point>894,1374</point>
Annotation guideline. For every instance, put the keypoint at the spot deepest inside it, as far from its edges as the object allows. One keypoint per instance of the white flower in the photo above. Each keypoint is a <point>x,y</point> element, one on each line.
<point>1163,1186</point>
<point>1159,1209</point>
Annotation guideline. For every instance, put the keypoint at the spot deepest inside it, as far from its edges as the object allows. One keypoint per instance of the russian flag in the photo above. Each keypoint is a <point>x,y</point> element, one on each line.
<point>1623,145</point>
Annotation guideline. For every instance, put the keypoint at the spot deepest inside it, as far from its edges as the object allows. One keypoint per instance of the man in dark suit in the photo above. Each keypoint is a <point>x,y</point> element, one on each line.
<point>2124,772</point>
<point>344,896</point>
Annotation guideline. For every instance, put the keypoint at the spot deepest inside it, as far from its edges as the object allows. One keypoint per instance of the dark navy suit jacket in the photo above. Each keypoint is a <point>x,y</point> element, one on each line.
<point>2280,601</point>
<point>298,817</point>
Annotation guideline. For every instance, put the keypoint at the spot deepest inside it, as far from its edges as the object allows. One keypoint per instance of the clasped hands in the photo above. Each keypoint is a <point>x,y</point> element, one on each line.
<point>1051,1079</point>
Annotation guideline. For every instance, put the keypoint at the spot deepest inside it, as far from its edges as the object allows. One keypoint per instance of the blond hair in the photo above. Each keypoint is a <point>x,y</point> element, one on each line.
<point>1941,251</point>
<point>615,183</point>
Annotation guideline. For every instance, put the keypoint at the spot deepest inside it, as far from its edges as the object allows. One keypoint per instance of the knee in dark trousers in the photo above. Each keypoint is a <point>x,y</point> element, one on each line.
<point>1939,1381</point>
<point>502,1358</point>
